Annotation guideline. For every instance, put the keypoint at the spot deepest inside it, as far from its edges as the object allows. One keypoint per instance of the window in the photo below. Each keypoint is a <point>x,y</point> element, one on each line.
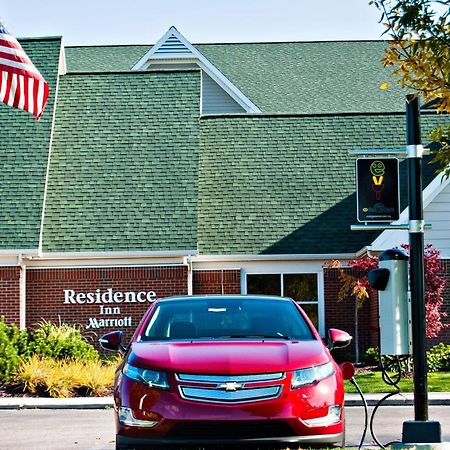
<point>302,287</point>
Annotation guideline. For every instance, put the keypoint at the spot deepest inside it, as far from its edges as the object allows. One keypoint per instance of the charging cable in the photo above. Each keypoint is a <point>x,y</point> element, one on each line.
<point>391,380</point>
<point>366,410</point>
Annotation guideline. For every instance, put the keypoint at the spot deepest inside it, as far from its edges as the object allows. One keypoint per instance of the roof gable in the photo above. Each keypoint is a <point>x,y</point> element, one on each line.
<point>174,48</point>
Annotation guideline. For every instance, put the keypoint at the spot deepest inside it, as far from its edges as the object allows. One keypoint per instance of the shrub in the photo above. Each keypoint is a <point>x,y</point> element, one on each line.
<point>66,377</point>
<point>60,342</point>
<point>13,347</point>
<point>438,358</point>
<point>371,356</point>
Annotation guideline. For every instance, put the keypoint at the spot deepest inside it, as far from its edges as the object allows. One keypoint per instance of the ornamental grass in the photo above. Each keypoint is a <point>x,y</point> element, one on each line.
<point>67,377</point>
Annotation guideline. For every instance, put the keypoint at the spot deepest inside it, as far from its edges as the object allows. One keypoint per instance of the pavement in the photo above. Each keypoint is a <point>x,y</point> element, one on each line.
<point>407,399</point>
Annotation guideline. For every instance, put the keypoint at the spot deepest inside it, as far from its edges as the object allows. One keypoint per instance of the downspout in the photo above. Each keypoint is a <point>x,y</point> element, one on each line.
<point>190,276</point>
<point>22,292</point>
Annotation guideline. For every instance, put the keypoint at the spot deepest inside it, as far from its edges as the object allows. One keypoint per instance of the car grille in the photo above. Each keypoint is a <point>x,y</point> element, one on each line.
<point>230,389</point>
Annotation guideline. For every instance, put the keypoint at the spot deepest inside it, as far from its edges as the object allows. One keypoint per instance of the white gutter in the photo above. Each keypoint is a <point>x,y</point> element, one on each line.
<point>114,255</point>
<point>287,257</point>
<point>22,292</point>
<point>19,252</point>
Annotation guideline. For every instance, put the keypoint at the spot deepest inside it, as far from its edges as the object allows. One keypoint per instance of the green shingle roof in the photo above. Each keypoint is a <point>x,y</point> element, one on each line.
<point>286,77</point>
<point>123,173</point>
<point>133,167</point>
<point>281,185</point>
<point>24,155</point>
<point>111,58</point>
<point>309,77</point>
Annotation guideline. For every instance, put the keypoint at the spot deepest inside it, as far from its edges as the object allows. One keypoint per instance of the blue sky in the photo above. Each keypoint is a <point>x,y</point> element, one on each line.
<point>92,22</point>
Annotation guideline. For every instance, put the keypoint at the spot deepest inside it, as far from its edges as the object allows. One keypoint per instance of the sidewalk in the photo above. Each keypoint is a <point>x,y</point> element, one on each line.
<point>434,398</point>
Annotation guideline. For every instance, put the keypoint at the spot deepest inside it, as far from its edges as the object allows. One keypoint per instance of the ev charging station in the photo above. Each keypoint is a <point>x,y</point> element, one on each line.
<point>391,280</point>
<point>402,322</point>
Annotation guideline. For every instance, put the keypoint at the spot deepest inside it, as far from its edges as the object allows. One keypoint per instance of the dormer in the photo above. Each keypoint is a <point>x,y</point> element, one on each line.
<point>218,94</point>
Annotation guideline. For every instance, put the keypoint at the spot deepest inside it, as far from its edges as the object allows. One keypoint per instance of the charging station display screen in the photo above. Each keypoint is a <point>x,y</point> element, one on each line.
<point>377,189</point>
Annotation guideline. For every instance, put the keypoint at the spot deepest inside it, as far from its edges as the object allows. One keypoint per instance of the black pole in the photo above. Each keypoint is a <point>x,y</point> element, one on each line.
<point>416,242</point>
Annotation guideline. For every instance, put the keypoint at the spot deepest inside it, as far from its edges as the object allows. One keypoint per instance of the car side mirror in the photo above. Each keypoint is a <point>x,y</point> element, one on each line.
<point>338,339</point>
<point>112,341</point>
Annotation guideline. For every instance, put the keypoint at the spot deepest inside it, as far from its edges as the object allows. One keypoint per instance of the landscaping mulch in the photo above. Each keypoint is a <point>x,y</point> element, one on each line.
<point>16,390</point>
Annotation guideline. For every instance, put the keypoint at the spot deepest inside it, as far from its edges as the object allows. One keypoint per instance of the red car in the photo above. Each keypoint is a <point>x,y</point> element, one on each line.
<point>241,370</point>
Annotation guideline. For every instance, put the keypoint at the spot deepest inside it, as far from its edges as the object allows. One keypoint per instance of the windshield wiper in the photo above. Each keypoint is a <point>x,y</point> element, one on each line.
<point>263,336</point>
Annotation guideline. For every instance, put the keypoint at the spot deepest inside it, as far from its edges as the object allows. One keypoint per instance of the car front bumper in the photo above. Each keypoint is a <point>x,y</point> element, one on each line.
<point>323,439</point>
<point>285,419</point>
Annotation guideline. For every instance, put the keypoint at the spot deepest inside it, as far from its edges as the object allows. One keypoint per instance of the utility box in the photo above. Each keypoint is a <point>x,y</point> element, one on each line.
<point>391,279</point>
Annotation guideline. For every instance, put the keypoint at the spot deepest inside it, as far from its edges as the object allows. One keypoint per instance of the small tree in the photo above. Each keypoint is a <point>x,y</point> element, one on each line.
<point>419,53</point>
<point>357,286</point>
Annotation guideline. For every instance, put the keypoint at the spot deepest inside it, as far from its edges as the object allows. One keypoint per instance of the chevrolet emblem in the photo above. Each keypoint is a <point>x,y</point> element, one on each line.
<point>231,386</point>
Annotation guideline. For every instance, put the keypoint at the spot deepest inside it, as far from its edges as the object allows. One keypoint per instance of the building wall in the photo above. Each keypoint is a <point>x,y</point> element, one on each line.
<point>46,297</point>
<point>10,294</point>
<point>217,281</point>
<point>342,314</point>
<point>46,287</point>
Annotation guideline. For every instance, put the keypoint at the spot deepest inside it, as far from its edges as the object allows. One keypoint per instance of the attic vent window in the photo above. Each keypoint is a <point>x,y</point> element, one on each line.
<point>172,46</point>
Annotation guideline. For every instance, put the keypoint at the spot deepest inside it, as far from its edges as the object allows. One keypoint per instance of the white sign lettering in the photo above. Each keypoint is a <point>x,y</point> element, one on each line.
<point>72,297</point>
<point>94,322</point>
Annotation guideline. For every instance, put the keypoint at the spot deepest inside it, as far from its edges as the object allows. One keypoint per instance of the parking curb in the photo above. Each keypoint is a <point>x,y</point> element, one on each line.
<point>434,398</point>
<point>56,403</point>
<point>401,399</point>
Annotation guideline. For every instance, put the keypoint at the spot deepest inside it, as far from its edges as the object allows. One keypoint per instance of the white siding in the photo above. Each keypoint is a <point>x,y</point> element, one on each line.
<point>215,100</point>
<point>436,213</point>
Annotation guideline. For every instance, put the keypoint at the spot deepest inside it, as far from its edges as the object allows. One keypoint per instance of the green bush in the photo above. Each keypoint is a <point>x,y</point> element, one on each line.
<point>60,342</point>
<point>13,348</point>
<point>371,356</point>
<point>438,358</point>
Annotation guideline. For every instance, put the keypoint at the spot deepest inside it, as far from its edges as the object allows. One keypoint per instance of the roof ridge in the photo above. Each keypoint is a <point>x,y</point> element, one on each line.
<point>293,42</point>
<point>130,72</point>
<point>109,45</point>
<point>39,38</point>
<point>232,43</point>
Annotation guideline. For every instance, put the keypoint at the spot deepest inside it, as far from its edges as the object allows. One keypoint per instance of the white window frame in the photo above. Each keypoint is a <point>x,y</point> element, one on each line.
<point>320,291</point>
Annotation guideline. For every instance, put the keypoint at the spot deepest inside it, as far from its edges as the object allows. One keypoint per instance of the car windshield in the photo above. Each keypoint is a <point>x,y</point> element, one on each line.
<point>231,318</point>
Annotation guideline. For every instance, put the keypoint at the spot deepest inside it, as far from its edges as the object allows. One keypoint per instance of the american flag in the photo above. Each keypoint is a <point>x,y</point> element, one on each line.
<point>21,84</point>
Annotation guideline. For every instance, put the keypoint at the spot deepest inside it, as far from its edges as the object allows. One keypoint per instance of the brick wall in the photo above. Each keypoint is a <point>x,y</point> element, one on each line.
<point>10,294</point>
<point>46,298</point>
<point>217,281</point>
<point>341,314</point>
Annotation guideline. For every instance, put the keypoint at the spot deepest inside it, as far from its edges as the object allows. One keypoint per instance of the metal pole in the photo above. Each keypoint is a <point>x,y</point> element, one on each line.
<point>416,242</point>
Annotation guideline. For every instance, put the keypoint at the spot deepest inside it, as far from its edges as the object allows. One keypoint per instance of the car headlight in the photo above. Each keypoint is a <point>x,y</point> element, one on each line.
<point>151,377</point>
<point>311,375</point>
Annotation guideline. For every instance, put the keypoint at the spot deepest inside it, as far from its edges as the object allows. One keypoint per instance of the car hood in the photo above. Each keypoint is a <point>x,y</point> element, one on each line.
<point>225,357</point>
